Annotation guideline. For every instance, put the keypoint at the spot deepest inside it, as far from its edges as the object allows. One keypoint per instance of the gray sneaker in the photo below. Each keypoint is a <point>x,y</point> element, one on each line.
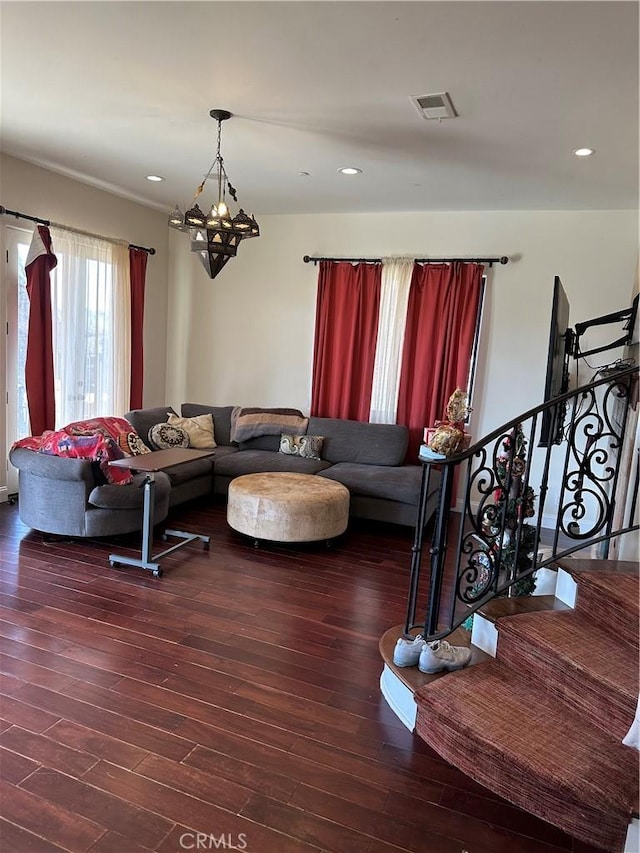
<point>440,655</point>
<point>407,652</point>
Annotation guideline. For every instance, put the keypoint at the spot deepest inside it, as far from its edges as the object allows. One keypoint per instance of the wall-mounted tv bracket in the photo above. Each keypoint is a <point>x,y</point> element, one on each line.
<point>570,350</point>
<point>626,316</point>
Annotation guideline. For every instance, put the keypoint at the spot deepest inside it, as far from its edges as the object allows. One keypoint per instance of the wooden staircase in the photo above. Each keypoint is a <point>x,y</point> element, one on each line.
<point>541,724</point>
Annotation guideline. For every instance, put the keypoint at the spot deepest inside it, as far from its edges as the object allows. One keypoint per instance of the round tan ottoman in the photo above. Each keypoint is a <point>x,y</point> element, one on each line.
<point>283,507</point>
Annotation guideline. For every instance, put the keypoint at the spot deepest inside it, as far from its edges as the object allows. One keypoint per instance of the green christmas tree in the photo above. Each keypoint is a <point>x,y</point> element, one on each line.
<point>514,501</point>
<point>519,500</point>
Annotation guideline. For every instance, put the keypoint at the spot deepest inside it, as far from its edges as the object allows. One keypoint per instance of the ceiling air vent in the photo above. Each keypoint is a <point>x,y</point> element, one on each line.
<point>435,106</point>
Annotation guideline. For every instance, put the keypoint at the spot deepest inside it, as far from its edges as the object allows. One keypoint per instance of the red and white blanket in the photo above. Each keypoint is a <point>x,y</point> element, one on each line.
<point>99,440</point>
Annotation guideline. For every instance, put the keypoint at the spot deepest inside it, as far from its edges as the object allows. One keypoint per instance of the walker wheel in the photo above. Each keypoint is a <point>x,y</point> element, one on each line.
<point>157,573</point>
<point>113,564</point>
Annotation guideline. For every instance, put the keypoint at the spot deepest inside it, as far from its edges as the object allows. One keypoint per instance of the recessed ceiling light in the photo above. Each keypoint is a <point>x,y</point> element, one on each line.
<point>584,152</point>
<point>350,170</point>
<point>156,178</point>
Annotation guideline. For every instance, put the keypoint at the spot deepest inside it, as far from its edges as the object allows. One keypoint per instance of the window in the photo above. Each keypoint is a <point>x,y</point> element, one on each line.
<point>403,366</point>
<point>90,308</point>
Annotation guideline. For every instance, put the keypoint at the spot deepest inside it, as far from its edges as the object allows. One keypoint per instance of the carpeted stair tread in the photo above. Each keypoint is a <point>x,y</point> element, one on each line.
<point>611,600</point>
<point>522,743</point>
<point>625,587</point>
<point>498,608</point>
<point>531,728</point>
<point>573,565</point>
<point>582,664</point>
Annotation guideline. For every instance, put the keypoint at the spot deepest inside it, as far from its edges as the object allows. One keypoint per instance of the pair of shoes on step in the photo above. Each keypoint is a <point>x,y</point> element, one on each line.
<point>430,657</point>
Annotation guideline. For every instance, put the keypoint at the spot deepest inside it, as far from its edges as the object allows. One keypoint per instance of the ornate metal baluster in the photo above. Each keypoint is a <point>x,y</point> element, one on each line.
<point>439,549</point>
<point>494,539</point>
<point>416,551</point>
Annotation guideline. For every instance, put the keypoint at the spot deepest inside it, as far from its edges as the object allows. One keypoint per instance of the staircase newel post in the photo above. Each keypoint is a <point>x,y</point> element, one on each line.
<point>439,549</point>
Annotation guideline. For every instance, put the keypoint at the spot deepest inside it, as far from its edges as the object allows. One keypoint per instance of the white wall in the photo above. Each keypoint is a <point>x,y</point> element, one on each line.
<point>40,192</point>
<point>246,337</point>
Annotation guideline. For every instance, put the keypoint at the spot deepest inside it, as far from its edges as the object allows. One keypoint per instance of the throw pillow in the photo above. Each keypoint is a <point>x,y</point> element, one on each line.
<point>306,446</point>
<point>199,430</point>
<point>131,444</point>
<point>165,436</point>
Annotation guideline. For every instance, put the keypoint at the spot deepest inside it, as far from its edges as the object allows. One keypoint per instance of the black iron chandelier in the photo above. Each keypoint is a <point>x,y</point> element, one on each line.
<point>215,236</point>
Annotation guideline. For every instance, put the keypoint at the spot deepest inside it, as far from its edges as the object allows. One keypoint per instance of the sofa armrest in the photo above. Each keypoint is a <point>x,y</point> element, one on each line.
<point>52,467</point>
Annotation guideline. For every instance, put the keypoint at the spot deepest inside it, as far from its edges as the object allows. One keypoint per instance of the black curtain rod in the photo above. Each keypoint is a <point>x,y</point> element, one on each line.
<point>47,222</point>
<point>491,261</point>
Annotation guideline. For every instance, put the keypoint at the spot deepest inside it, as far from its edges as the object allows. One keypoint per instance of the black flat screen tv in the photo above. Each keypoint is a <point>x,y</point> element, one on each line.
<point>557,376</point>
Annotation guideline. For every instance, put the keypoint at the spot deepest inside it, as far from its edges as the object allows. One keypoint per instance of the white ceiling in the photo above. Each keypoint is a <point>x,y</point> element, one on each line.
<point>109,92</point>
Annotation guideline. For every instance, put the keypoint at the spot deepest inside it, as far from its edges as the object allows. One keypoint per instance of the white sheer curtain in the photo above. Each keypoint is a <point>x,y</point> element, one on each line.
<point>394,295</point>
<point>91,315</point>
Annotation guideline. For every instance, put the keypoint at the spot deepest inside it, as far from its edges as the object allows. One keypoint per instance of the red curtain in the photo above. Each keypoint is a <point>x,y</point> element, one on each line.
<point>39,357</point>
<point>345,340</point>
<point>138,269</point>
<point>441,320</point>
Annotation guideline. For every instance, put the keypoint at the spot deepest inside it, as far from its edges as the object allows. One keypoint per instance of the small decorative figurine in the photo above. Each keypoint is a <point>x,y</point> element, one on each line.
<point>448,437</point>
<point>458,407</point>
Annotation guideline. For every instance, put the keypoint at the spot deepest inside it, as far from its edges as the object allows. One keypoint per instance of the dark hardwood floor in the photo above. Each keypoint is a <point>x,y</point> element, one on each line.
<point>236,697</point>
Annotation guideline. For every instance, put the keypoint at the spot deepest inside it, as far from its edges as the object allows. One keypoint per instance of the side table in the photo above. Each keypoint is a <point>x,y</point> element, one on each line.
<point>149,464</point>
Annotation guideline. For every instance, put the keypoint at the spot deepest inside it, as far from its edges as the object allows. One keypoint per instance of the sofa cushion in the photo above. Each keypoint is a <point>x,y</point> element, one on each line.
<point>399,483</point>
<point>223,450</point>
<point>130,496</point>
<point>261,461</point>
<point>199,429</point>
<point>263,442</point>
<point>143,419</point>
<point>190,471</point>
<point>221,419</point>
<point>353,441</point>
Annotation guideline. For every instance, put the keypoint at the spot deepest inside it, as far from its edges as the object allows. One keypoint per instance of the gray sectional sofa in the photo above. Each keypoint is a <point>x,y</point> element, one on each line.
<point>367,458</point>
<point>66,497</point>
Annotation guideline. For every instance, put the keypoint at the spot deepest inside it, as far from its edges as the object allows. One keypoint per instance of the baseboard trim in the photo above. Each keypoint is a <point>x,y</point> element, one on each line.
<point>4,494</point>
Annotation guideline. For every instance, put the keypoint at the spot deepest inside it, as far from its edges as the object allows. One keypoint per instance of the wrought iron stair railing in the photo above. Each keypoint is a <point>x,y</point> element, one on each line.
<point>524,506</point>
